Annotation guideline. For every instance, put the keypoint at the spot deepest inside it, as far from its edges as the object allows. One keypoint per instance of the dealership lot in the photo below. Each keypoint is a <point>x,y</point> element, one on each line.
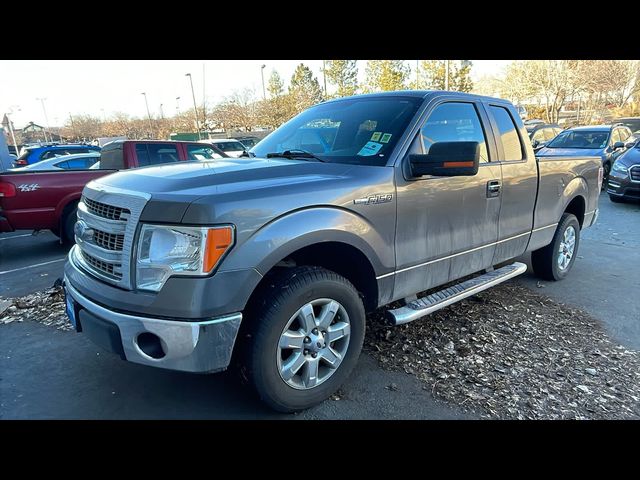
<point>48,373</point>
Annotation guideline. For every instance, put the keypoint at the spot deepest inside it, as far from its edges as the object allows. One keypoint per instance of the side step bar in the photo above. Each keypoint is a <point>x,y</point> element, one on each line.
<point>429,304</point>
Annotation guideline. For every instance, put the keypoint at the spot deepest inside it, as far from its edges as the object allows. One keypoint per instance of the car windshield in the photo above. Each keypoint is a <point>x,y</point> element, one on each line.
<point>357,130</point>
<point>580,139</point>
<point>229,146</point>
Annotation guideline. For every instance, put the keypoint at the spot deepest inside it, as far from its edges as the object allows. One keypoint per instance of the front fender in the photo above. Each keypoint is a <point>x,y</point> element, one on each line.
<point>295,230</point>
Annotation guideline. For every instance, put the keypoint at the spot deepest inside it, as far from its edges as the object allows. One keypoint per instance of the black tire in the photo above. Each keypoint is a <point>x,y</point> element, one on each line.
<point>278,301</point>
<point>616,199</point>
<point>68,223</point>
<point>545,260</point>
<point>606,169</point>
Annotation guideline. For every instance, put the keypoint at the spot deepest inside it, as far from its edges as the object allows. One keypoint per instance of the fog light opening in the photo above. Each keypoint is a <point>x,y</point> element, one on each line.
<point>150,345</point>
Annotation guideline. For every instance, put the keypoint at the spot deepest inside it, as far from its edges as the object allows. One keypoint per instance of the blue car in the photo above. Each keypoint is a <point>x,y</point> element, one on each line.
<point>605,141</point>
<point>36,153</point>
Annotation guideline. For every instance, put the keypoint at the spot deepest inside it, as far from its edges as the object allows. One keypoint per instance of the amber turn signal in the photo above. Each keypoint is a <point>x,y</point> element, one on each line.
<point>219,240</point>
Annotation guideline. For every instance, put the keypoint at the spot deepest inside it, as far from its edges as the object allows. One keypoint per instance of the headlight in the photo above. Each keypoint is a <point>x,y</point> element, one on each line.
<point>619,168</point>
<point>166,251</point>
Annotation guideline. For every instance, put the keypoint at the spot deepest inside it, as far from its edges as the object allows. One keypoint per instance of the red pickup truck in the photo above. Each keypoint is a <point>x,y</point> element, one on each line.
<point>47,200</point>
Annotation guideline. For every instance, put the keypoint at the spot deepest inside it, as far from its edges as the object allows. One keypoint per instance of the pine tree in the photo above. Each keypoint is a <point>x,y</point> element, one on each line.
<point>386,75</point>
<point>304,88</point>
<point>433,72</point>
<point>344,75</point>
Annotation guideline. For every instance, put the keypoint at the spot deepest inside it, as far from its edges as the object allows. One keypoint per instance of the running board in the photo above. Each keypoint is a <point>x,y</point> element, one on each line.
<point>429,304</point>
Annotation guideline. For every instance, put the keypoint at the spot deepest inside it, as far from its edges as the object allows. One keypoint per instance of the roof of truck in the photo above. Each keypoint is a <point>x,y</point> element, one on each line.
<point>420,94</point>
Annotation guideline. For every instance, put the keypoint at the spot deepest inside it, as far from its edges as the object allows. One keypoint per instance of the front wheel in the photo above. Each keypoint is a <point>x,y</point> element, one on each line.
<point>308,332</point>
<point>554,261</point>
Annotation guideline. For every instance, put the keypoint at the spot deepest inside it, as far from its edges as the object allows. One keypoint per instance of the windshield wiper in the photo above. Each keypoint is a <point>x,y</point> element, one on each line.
<point>295,154</point>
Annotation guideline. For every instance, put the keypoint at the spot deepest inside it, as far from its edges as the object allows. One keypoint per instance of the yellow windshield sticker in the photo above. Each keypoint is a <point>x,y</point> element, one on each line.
<point>376,137</point>
<point>385,138</point>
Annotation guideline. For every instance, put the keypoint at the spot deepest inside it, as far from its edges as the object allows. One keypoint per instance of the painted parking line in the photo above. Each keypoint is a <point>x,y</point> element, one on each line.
<point>33,266</point>
<point>17,236</point>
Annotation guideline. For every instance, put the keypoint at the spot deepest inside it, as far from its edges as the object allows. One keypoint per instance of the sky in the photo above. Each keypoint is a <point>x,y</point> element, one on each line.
<point>104,87</point>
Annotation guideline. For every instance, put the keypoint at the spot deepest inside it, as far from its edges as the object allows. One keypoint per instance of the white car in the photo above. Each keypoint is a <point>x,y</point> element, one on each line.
<point>230,146</point>
<point>77,161</point>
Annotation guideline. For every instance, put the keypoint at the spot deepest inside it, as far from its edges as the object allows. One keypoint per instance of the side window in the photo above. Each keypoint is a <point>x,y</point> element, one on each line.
<point>51,154</point>
<point>79,163</point>
<point>454,122</point>
<point>539,135</point>
<point>201,152</point>
<point>162,153</point>
<point>142,154</point>
<point>64,165</point>
<point>624,134</point>
<point>511,143</point>
<point>112,157</point>
<point>615,136</point>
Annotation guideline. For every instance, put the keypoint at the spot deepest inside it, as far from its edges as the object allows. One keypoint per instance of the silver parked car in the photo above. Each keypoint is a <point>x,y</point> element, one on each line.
<point>77,161</point>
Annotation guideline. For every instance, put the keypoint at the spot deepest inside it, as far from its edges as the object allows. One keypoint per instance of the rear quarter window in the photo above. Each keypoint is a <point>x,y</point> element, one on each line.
<point>508,132</point>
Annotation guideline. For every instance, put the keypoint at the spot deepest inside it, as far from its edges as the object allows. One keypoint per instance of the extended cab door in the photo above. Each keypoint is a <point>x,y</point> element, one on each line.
<point>447,227</point>
<point>519,181</point>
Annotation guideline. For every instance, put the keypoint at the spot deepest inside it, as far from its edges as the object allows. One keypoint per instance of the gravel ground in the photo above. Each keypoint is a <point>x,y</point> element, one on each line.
<point>511,353</point>
<point>507,353</point>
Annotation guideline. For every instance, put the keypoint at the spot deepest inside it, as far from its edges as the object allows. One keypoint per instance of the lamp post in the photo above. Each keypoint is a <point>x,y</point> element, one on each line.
<point>73,127</point>
<point>324,76</point>
<point>46,119</point>
<point>264,93</point>
<point>195,108</point>
<point>177,104</point>
<point>446,74</point>
<point>13,137</point>
<point>417,73</point>
<point>148,114</point>
<point>161,112</point>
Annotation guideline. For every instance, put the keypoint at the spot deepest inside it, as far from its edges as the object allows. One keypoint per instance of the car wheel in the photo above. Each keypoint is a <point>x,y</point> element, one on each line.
<point>68,224</point>
<point>554,261</point>
<point>307,334</point>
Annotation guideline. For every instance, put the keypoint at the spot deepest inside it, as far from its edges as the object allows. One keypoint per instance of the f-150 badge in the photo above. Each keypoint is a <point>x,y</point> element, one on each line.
<point>28,187</point>
<point>374,199</point>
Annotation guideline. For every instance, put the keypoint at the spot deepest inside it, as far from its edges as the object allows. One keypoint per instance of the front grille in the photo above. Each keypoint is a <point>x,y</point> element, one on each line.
<point>103,267</point>
<point>110,241</point>
<point>634,173</point>
<point>106,211</point>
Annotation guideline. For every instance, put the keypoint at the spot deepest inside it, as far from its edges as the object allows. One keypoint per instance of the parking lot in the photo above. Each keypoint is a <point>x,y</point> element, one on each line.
<point>49,373</point>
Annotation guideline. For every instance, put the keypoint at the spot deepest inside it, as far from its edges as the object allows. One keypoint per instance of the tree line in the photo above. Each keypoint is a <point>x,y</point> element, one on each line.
<point>245,111</point>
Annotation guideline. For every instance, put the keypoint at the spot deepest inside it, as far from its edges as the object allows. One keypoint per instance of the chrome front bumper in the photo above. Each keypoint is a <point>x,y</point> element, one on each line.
<point>203,347</point>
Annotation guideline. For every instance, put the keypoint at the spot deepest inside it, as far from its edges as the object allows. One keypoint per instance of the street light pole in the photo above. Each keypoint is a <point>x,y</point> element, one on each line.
<point>73,127</point>
<point>13,137</point>
<point>446,74</point>
<point>417,73</point>
<point>46,119</point>
<point>177,104</point>
<point>264,94</point>
<point>195,108</point>
<point>161,112</point>
<point>148,114</point>
<point>324,76</point>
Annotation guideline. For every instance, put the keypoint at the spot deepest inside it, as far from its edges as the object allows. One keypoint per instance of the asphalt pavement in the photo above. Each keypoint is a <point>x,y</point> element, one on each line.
<point>48,373</point>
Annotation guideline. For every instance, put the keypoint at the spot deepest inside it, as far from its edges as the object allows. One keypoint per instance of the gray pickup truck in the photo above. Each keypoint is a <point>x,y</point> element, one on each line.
<point>275,258</point>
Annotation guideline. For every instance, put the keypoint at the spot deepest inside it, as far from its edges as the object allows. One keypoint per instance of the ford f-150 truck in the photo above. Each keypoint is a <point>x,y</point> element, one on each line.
<point>47,200</point>
<point>353,204</point>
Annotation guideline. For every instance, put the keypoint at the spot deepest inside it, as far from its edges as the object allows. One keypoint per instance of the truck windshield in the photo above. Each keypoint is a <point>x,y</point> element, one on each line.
<point>356,130</point>
<point>580,139</point>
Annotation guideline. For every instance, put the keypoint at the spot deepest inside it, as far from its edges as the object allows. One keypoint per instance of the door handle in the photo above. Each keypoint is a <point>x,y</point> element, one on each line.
<point>493,188</point>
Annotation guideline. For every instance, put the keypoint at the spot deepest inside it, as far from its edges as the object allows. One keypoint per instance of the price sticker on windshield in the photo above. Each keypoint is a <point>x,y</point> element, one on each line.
<point>371,148</point>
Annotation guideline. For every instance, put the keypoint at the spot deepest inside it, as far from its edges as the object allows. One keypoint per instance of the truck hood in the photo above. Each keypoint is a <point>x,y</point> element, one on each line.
<point>199,192</point>
<point>569,152</point>
<point>220,176</point>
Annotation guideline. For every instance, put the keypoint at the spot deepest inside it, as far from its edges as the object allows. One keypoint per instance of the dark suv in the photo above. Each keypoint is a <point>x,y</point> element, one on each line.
<point>36,153</point>
<point>624,179</point>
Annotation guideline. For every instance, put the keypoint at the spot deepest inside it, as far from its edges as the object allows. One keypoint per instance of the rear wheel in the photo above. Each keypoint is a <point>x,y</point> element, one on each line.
<point>554,261</point>
<point>306,338</point>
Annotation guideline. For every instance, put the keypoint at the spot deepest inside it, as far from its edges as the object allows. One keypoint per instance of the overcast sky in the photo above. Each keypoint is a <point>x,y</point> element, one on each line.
<point>103,87</point>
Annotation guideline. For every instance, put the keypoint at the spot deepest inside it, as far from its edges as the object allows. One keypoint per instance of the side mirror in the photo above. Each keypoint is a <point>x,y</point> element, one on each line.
<point>618,145</point>
<point>629,144</point>
<point>535,143</point>
<point>447,159</point>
